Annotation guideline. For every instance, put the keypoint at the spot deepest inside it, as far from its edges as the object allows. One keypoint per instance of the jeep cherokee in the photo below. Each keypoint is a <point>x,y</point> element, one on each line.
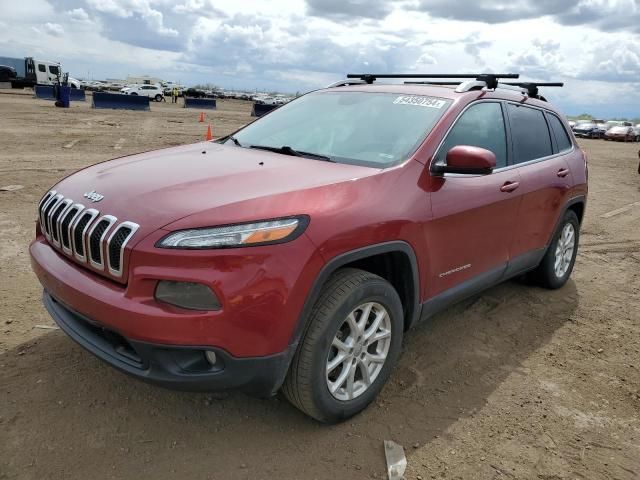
<point>294,254</point>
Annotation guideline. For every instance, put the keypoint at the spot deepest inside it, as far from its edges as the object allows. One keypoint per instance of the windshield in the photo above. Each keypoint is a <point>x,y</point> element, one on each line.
<point>363,128</point>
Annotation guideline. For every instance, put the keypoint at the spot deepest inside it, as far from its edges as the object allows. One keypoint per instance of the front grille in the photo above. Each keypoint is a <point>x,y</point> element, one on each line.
<point>84,235</point>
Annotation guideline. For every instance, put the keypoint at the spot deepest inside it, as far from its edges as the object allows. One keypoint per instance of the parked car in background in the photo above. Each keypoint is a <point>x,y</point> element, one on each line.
<point>7,73</point>
<point>637,130</point>
<point>194,93</point>
<point>587,130</point>
<point>620,133</point>
<point>152,91</point>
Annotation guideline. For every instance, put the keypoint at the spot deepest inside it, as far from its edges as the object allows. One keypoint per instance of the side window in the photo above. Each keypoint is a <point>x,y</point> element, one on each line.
<point>482,125</point>
<point>42,68</point>
<point>53,69</point>
<point>562,138</point>
<point>530,134</point>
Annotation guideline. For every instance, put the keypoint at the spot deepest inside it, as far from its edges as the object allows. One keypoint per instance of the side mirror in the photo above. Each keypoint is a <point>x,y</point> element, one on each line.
<point>469,160</point>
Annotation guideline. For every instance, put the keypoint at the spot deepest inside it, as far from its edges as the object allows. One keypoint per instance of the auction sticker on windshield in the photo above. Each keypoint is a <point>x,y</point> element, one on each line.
<point>420,101</point>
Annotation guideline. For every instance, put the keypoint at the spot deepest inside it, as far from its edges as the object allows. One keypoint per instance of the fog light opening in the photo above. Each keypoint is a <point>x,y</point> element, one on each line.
<point>189,295</point>
<point>211,357</point>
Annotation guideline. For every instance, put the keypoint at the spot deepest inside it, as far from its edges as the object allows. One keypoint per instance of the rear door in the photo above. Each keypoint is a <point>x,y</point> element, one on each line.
<point>540,143</point>
<point>473,215</point>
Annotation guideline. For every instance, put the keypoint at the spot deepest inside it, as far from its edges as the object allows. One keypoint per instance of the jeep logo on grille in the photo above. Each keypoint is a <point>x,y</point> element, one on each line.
<point>93,196</point>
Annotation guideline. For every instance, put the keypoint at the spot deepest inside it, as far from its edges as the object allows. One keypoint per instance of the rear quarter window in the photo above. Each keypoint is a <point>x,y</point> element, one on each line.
<point>529,132</point>
<point>562,137</point>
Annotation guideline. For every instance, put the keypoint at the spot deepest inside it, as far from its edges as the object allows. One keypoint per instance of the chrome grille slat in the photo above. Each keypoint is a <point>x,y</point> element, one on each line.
<point>66,223</point>
<point>46,214</point>
<point>65,227</point>
<point>107,221</point>
<point>115,267</point>
<point>58,212</point>
<point>83,234</point>
<point>42,203</point>
<point>80,236</point>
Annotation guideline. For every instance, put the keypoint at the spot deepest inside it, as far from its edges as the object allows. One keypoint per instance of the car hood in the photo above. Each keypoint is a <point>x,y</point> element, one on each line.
<point>210,183</point>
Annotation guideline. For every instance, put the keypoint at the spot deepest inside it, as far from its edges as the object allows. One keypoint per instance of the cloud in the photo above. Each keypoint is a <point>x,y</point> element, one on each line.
<point>78,15</point>
<point>291,45</point>
<point>494,11</point>
<point>604,15</point>
<point>613,62</point>
<point>206,8</point>
<point>54,29</point>
<point>141,9</point>
<point>342,10</point>
<point>543,60</point>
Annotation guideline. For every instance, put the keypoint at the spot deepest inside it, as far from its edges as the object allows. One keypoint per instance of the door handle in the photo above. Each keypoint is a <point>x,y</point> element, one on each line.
<point>509,186</point>
<point>563,172</point>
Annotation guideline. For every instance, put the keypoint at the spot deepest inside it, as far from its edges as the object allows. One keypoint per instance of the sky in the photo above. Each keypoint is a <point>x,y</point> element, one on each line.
<point>300,45</point>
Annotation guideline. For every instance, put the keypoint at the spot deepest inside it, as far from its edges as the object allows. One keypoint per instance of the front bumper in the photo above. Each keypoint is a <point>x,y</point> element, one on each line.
<point>175,367</point>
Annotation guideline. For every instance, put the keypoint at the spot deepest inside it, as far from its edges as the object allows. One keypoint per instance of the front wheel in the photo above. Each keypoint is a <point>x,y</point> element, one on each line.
<point>557,264</point>
<point>351,344</point>
<point>158,98</point>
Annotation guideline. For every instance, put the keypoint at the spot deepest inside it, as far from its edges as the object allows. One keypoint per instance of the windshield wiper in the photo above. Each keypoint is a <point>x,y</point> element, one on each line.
<point>234,140</point>
<point>287,150</point>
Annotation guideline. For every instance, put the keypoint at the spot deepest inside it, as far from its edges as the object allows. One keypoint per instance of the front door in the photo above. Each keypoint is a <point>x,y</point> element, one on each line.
<point>473,215</point>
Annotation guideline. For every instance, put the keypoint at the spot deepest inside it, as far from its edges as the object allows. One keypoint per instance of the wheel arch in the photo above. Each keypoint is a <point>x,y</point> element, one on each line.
<point>576,204</point>
<point>394,261</point>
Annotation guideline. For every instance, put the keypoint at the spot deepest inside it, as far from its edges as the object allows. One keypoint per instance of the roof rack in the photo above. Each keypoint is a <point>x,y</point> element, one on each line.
<point>531,88</point>
<point>490,79</point>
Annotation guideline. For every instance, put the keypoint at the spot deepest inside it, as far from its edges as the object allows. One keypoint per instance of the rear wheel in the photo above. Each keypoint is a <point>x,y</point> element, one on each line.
<point>158,98</point>
<point>349,349</point>
<point>557,264</point>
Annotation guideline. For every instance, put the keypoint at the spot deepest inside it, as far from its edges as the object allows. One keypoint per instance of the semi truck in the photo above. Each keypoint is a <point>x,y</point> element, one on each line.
<point>30,72</point>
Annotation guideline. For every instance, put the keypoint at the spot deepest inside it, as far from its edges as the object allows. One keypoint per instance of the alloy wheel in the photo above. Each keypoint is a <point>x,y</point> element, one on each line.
<point>564,250</point>
<point>358,351</point>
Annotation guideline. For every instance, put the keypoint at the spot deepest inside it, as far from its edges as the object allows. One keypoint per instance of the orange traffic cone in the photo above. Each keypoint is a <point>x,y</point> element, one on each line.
<point>209,134</point>
<point>201,119</point>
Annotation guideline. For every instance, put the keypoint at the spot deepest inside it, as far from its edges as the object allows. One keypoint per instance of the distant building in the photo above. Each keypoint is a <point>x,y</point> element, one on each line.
<point>143,79</point>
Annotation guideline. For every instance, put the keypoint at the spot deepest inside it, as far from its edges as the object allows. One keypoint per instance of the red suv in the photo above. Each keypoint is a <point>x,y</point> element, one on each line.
<point>294,254</point>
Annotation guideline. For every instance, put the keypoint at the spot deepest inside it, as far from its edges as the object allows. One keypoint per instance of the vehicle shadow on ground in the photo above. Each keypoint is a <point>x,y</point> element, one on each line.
<point>65,414</point>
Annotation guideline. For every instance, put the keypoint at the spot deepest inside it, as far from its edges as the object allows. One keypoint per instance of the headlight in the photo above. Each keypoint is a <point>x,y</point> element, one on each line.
<point>242,235</point>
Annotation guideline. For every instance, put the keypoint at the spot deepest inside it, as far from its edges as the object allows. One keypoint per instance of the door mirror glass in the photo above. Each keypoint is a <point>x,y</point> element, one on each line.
<point>469,160</point>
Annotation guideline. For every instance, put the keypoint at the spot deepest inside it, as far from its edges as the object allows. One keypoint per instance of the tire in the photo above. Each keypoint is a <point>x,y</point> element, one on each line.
<point>547,275</point>
<point>307,385</point>
<point>158,98</point>
<point>133,93</point>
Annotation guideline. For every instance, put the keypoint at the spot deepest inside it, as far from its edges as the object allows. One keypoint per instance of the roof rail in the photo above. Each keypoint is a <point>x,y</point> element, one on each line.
<point>491,79</point>
<point>345,83</point>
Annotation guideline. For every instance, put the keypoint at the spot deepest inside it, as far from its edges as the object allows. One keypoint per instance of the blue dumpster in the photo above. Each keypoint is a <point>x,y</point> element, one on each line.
<point>64,96</point>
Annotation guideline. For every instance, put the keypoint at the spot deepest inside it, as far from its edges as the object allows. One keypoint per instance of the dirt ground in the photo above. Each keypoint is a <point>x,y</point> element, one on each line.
<point>519,382</point>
